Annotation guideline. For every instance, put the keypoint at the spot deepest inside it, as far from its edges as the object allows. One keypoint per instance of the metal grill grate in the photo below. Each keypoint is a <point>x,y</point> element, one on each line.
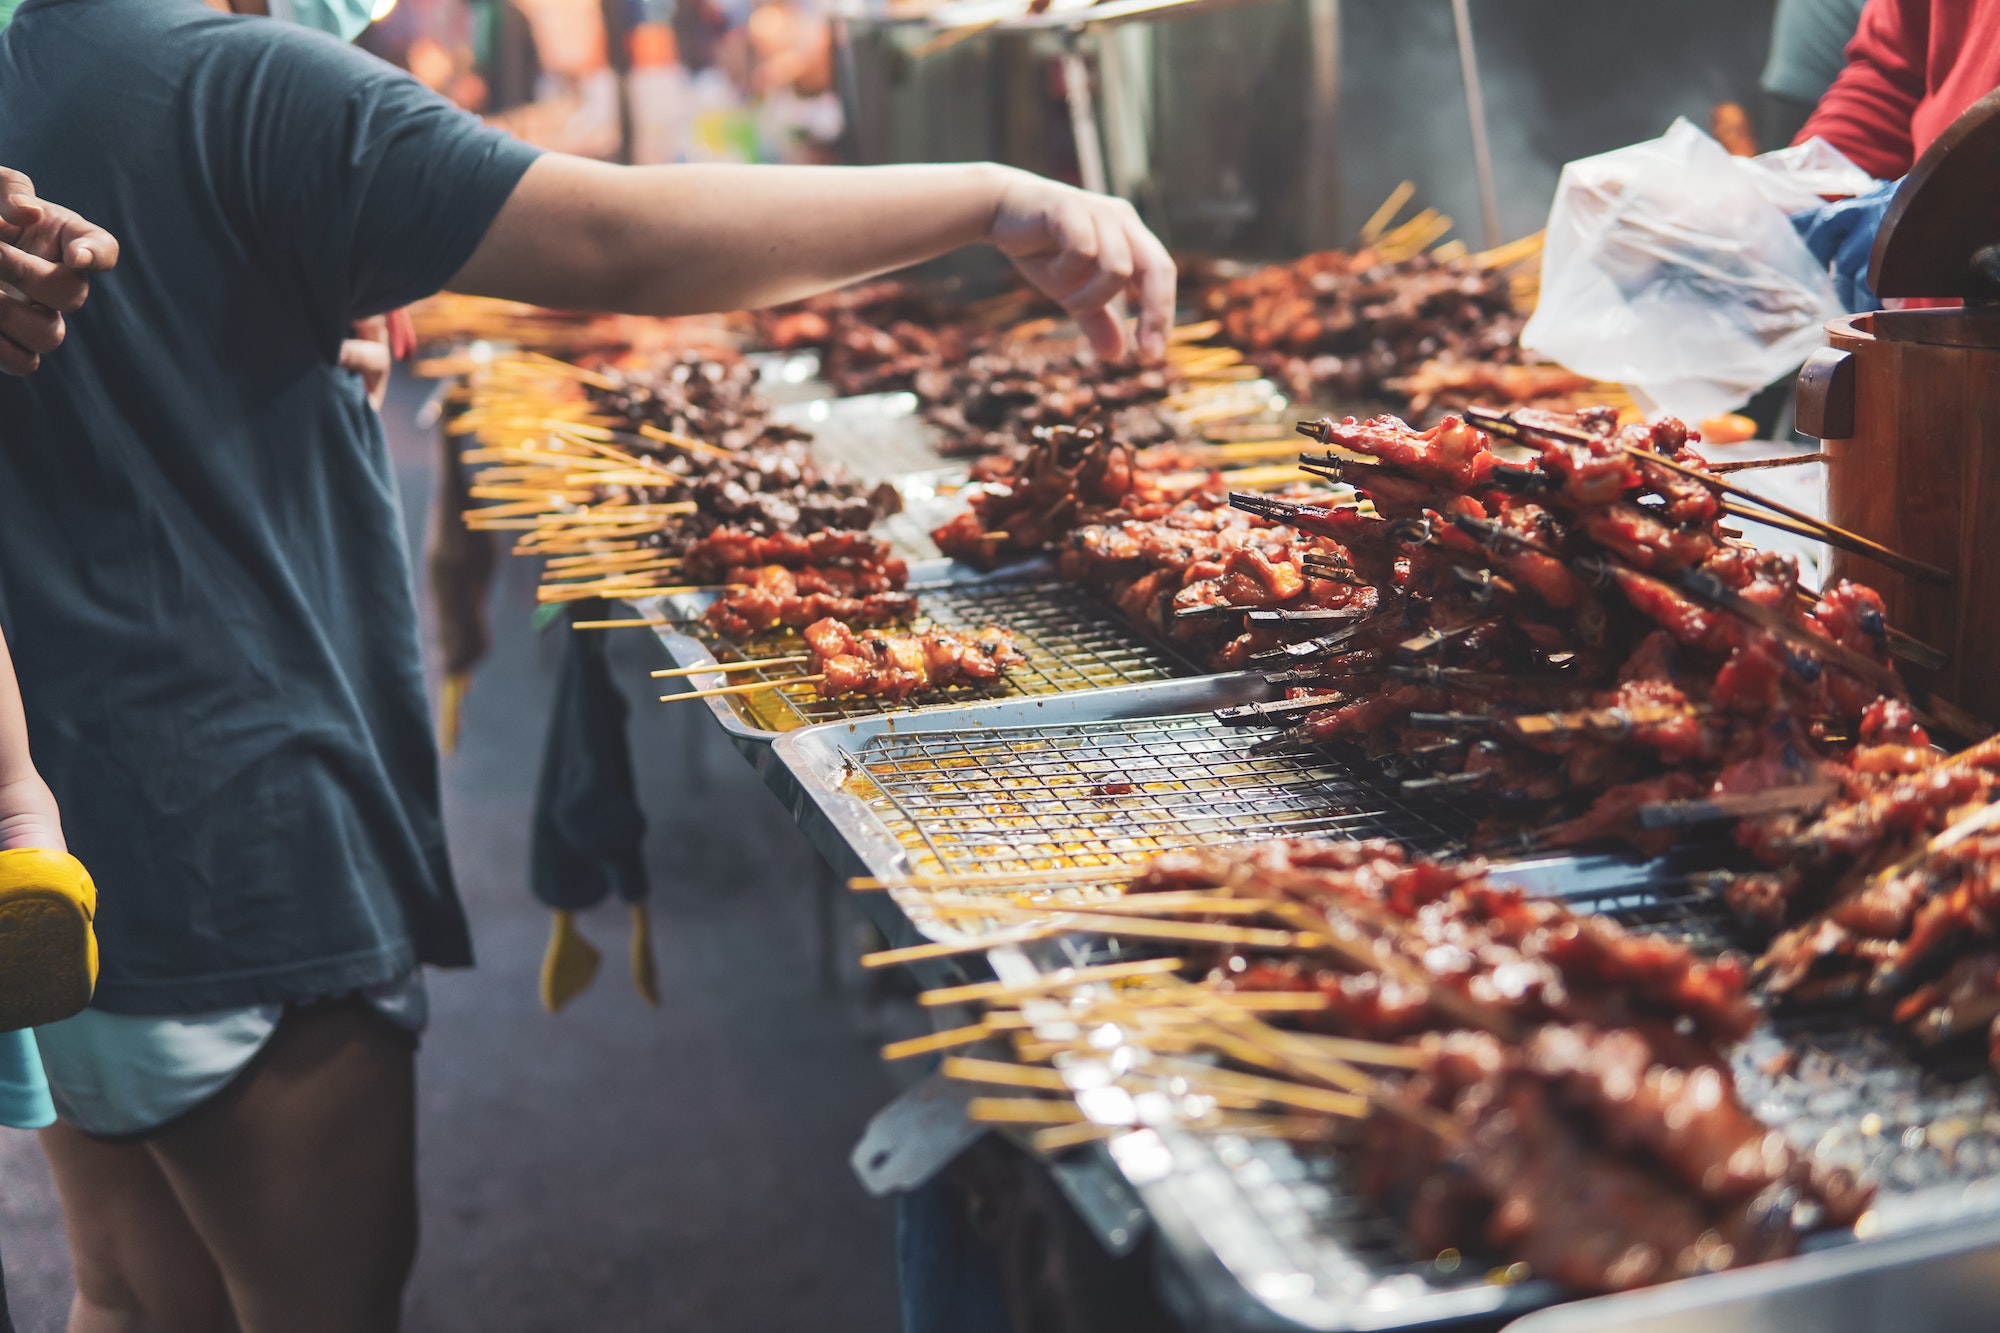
<point>1036,798</point>
<point>1072,642</point>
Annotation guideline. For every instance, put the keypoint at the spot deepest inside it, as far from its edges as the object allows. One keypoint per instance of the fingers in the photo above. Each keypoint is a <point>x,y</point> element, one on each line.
<point>1105,331</point>
<point>31,329</point>
<point>1084,251</point>
<point>41,281</point>
<point>1111,274</point>
<point>1154,280</point>
<point>89,248</point>
<point>370,360</point>
<point>16,359</point>
<point>18,205</point>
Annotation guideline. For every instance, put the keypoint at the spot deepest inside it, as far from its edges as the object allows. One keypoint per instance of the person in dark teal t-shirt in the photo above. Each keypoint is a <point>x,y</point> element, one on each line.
<point>202,565</point>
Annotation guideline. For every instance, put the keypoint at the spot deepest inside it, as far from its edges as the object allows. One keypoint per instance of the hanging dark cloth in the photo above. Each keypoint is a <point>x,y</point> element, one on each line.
<point>461,565</point>
<point>588,832</point>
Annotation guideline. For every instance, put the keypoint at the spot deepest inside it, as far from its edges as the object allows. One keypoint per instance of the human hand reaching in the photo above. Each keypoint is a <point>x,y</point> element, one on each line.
<point>1084,251</point>
<point>47,254</point>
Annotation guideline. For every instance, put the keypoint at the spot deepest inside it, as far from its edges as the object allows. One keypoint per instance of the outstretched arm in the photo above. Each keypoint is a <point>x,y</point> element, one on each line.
<point>679,240</point>
<point>28,816</point>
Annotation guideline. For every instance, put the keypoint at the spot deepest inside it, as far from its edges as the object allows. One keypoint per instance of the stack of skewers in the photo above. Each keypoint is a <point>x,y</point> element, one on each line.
<point>1507,1078</point>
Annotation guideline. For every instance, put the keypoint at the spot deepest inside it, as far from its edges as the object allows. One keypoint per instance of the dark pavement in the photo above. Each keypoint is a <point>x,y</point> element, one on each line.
<point>615,1168</point>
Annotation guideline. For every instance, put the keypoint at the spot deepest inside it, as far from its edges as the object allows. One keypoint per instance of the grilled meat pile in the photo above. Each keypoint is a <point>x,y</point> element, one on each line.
<point>789,581</point>
<point>1574,633</point>
<point>881,665</point>
<point>754,474</point>
<point>1573,1108</point>
<point>1346,326</point>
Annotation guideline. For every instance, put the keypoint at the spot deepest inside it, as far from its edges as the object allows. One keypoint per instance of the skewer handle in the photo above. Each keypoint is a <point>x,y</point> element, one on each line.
<point>752,688</point>
<point>752,665</point>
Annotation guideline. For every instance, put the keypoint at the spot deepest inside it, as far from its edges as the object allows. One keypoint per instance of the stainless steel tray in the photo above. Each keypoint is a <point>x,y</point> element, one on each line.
<point>1267,1237</point>
<point>1073,642</point>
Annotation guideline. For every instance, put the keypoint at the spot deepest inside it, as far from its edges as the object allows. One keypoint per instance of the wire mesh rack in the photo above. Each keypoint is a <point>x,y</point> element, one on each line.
<point>986,790</point>
<point>1096,793</point>
<point>1072,641</point>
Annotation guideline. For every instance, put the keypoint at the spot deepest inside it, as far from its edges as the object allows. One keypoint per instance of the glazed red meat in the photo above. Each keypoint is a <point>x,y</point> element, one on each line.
<point>883,665</point>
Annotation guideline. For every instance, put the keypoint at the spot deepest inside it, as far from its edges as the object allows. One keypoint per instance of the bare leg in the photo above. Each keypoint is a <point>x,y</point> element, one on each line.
<point>301,1178</point>
<point>139,1266</point>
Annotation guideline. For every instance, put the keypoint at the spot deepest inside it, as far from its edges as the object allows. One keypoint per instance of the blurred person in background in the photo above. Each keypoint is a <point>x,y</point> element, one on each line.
<point>200,545</point>
<point>1808,48</point>
<point>1913,67</point>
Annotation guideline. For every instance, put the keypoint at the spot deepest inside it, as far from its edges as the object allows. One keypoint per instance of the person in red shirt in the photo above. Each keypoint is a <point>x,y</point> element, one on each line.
<point>1913,67</point>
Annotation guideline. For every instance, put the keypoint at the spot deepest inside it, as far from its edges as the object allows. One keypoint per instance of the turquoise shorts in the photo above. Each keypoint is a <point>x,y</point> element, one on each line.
<point>24,1092</point>
<point>119,1076</point>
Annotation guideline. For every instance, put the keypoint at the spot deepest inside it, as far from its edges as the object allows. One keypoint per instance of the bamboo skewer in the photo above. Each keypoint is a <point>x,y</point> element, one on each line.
<point>634,623</point>
<point>753,665</point>
<point>944,1040</point>
<point>1379,220</point>
<point>753,687</point>
<point>1022,1111</point>
<point>1001,1073</point>
<point>1752,464</point>
<point>1117,870</point>
<point>924,953</point>
<point>1000,991</point>
<point>1827,532</point>
<point>577,592</point>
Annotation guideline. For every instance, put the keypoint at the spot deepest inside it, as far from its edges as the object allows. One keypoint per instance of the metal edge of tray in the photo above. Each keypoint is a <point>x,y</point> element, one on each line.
<point>1225,1252</point>
<point>755,743</point>
<point>1191,1201</point>
<point>805,765</point>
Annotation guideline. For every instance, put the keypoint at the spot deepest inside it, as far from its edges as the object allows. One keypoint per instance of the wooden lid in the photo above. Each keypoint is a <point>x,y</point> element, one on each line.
<point>1945,212</point>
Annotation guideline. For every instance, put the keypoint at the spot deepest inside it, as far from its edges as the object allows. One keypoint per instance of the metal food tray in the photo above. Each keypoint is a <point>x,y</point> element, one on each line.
<point>1267,1237</point>
<point>1073,642</point>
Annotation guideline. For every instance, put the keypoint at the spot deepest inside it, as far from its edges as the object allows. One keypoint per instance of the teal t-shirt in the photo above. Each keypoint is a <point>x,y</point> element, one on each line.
<point>24,1092</point>
<point>1809,47</point>
<point>202,566</point>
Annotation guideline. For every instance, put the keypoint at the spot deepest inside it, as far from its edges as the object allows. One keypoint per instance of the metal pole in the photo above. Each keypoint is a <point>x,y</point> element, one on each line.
<point>1322,217</point>
<point>1083,115</point>
<point>1475,110</point>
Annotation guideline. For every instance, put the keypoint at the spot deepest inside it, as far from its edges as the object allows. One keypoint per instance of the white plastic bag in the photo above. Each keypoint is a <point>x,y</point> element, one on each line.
<point>1805,175</point>
<point>1668,269</point>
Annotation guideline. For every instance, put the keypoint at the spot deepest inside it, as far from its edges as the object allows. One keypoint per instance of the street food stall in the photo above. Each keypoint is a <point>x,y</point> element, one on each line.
<point>1365,806</point>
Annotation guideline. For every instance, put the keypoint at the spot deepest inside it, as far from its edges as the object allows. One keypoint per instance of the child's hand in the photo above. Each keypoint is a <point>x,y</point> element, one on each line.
<point>1085,250</point>
<point>28,816</point>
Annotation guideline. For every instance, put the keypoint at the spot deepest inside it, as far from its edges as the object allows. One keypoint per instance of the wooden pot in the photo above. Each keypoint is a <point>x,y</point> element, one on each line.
<point>1908,403</point>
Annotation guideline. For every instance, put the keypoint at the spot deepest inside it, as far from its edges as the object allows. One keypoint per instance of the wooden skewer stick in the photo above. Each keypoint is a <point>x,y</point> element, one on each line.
<point>753,665</point>
<point>1022,1111</point>
<point>1751,464</point>
<point>1000,992</point>
<point>1061,1138</point>
<point>589,377</point>
<point>944,1040</point>
<point>1197,332</point>
<point>752,688</point>
<point>1118,870</point>
<point>1827,532</point>
<point>577,592</point>
<point>924,953</point>
<point>693,446</point>
<point>618,624</point>
<point>1378,221</point>
<point>1001,1073</point>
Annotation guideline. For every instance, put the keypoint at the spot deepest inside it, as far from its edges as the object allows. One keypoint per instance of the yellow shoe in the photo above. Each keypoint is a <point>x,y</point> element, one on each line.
<point>48,952</point>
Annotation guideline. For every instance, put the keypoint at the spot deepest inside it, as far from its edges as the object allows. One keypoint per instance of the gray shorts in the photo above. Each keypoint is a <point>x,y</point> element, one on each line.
<point>121,1075</point>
